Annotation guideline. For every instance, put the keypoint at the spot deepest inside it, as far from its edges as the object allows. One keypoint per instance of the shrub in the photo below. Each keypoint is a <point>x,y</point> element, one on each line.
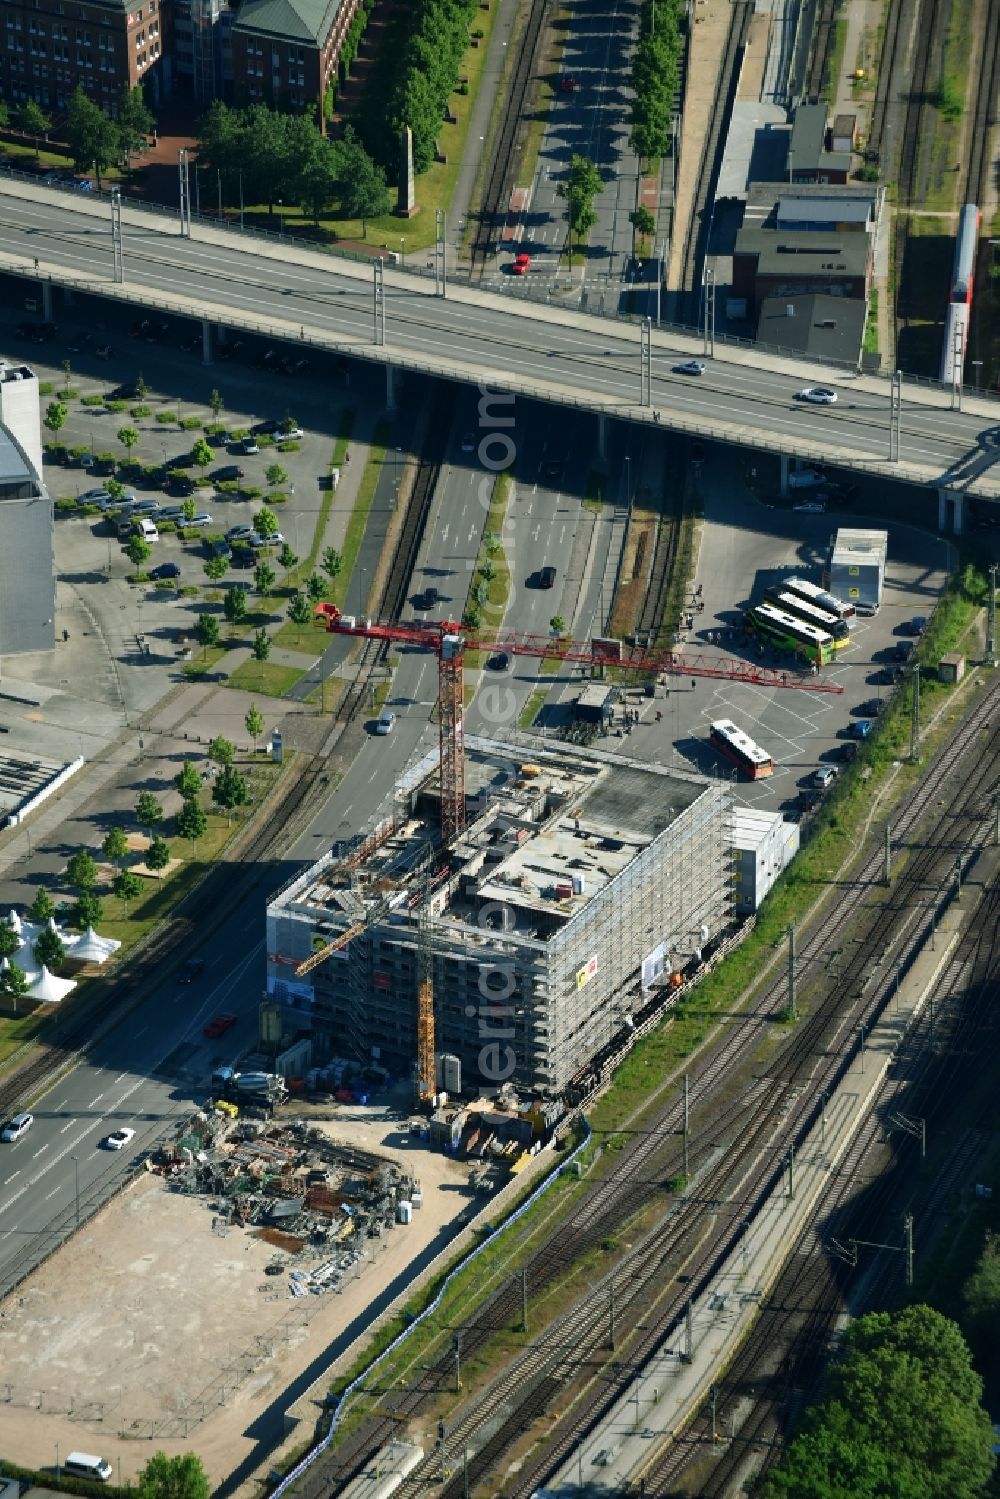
<point>92,400</point>
<point>277,497</point>
<point>238,434</point>
<point>166,418</point>
<point>189,423</point>
<point>265,440</point>
<point>228,486</point>
<point>68,393</point>
<point>46,387</point>
<point>140,411</point>
<point>116,406</point>
<point>69,504</point>
<point>290,447</point>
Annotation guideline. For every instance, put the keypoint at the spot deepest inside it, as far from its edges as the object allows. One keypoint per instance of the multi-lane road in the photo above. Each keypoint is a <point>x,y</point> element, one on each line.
<point>557,355</point>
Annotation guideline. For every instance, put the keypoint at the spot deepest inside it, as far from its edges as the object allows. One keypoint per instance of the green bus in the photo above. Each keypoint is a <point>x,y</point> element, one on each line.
<point>793,634</point>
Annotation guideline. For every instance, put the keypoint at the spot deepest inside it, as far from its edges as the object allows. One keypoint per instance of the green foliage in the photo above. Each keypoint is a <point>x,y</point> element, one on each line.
<point>128,437</point>
<point>316,587</point>
<point>221,751</point>
<point>230,789</point>
<point>557,624</point>
<point>655,78</point>
<point>81,871</point>
<point>207,631</point>
<point>141,389</point>
<point>93,138</point>
<point>216,569</point>
<point>287,557</point>
<point>264,577</point>
<point>88,911</point>
<point>42,907</point>
<point>127,885</point>
<point>578,191</point>
<point>9,940</point>
<point>981,1301</point>
<point>642,222</point>
<point>115,845</point>
<point>158,854</point>
<point>261,645</point>
<point>202,453</point>
<point>191,821</point>
<point>216,402</point>
<point>191,424</point>
<point>265,521</point>
<point>901,1416</point>
<point>950,98</point>
<point>148,812</point>
<point>138,551</point>
<point>33,120</point>
<point>189,508</point>
<point>55,415</point>
<point>14,982</point>
<point>234,605</point>
<point>299,609</point>
<point>187,780</point>
<point>49,949</point>
<point>253,723</point>
<point>167,418</point>
<point>275,474</point>
<point>332,562</point>
<point>135,122</point>
<point>180,1477</point>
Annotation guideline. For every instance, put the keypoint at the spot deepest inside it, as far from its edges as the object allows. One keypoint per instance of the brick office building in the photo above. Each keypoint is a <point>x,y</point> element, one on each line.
<point>48,47</point>
<point>285,51</point>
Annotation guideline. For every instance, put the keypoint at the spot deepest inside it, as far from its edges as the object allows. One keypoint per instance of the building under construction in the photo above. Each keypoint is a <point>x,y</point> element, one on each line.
<point>578,884</point>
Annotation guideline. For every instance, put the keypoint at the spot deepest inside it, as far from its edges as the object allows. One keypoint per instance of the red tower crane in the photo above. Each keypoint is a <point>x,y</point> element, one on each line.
<point>449,641</point>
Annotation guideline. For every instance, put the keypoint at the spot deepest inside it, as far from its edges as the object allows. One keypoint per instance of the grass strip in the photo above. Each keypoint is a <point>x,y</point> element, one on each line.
<point>266,677</point>
<point>362,505</point>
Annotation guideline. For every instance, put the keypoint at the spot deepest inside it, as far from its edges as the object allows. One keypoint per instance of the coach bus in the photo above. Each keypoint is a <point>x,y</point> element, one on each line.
<point>811,593</point>
<point>740,748</point>
<point>792,634</point>
<point>782,598</point>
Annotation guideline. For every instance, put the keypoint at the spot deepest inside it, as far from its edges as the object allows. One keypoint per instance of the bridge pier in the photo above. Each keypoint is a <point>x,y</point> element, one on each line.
<point>47,301</point>
<point>602,436</point>
<point>785,466</point>
<point>390,388</point>
<point>953,499</point>
<point>206,341</point>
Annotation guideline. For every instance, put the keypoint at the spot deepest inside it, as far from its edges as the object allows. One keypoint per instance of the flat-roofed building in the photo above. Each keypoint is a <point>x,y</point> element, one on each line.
<point>27,574</point>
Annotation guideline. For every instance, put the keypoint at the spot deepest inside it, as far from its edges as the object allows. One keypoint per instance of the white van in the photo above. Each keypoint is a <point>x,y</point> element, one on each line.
<point>147,530</point>
<point>87,1466</point>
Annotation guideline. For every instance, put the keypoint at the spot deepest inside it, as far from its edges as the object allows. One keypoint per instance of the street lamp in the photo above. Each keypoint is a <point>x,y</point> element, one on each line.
<point>76,1174</point>
<point>977,365</point>
<point>402,249</point>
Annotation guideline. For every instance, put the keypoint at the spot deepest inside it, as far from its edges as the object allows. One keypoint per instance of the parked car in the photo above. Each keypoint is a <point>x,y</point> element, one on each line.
<point>824,777</point>
<point>228,471</point>
<point>173,513</point>
<point>468,442</point>
<point>119,1138</point>
<point>104,351</point>
<point>219,1025</point>
<point>84,185</point>
<point>239,533</point>
<point>80,341</point>
<point>818,395</point>
<point>250,446</point>
<point>16,1128</point>
<point>183,485</point>
<point>904,650</point>
<point>915,626</point>
<point>166,570</point>
<point>200,518</point>
<point>256,541</point>
<point>848,751</point>
<point>219,548</point>
<point>264,429</point>
<point>145,507</point>
<point>862,728</point>
<point>190,971</point>
<point>290,434</point>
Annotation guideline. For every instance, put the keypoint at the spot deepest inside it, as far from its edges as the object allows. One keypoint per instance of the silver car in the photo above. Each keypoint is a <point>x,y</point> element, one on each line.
<point>16,1128</point>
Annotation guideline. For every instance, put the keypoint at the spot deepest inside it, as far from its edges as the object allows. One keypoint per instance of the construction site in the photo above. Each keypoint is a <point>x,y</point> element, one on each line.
<point>571,886</point>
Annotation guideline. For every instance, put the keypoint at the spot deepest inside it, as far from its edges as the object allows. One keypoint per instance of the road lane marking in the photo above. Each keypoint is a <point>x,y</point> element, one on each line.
<point>68,1125</point>
<point>95,1100</point>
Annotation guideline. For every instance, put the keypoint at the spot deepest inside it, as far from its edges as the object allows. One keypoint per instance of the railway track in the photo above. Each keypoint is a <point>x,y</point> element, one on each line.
<point>699,226</point>
<point>897,20</point>
<point>796,1324</point>
<point>500,177</point>
<point>824,32</point>
<point>650,625</point>
<point>652,1158</point>
<point>980,165</point>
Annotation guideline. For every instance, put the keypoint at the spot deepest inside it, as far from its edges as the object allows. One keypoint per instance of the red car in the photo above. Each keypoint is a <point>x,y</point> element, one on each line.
<point>219,1025</point>
<point>521,265</point>
<point>569,84</point>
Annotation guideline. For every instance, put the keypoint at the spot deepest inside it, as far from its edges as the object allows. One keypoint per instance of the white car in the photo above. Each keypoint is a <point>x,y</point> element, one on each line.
<point>292,435</point>
<point>811,507</point>
<point>818,395</point>
<point>277,540</point>
<point>689,367</point>
<point>119,1138</point>
<point>16,1128</point>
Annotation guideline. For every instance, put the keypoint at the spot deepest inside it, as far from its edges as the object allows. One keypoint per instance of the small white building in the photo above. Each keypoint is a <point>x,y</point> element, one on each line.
<point>764,844</point>
<point>857,567</point>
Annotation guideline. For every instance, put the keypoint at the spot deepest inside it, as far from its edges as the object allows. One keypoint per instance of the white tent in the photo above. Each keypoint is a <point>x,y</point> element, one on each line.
<point>50,989</point>
<point>14,919</point>
<point>30,972</point>
<point>90,948</point>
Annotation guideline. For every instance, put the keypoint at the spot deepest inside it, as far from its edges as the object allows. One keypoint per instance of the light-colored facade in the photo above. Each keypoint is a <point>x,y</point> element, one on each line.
<point>27,572</point>
<point>764,844</point>
<point>576,868</point>
<point>857,567</point>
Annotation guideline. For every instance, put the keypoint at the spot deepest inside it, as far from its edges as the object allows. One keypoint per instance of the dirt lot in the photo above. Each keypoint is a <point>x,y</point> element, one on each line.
<point>151,1330</point>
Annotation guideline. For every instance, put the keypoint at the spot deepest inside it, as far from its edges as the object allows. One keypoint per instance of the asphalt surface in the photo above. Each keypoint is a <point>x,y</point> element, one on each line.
<point>743,397</point>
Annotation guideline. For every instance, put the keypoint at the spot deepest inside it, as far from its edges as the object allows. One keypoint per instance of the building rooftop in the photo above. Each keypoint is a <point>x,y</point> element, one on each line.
<point>862,546</point>
<point>808,133</point>
<point>544,835</point>
<point>817,208</point>
<point>763,197</point>
<point>309,21</point>
<point>819,326</point>
<point>753,826</point>
<point>803,253</point>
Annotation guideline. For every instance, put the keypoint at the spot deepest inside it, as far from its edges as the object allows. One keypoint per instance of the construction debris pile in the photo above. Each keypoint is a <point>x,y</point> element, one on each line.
<point>293,1187</point>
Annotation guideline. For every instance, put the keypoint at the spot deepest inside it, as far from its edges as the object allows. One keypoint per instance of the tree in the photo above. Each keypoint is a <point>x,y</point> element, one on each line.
<point>642,222</point>
<point>115,845</point>
<point>579,190</point>
<point>319,179</point>
<point>135,123</point>
<point>49,949</point>
<point>316,587</point>
<point>180,1477</point>
<point>93,138</point>
<point>254,725</point>
<point>14,983</point>
<point>88,911</point>
<point>4,115</point>
<point>265,522</point>
<point>10,941</point>
<point>981,1299</point>
<point>363,192</point>
<point>141,389</point>
<point>230,790</point>
<point>222,751</point>
<point>42,907</point>
<point>264,577</point>
<point>288,425</point>
<point>138,551</point>
<point>275,474</point>
<point>216,402</point>
<point>189,509</point>
<point>187,780</point>
<point>55,415</point>
<point>207,631</point>
<point>261,646</point>
<point>287,557</point>
<point>332,563</point>
<point>234,605</point>
<point>148,812</point>
<point>191,821</point>
<point>216,569</point>
<point>557,624</point>
<point>158,855</point>
<point>128,437</point>
<point>127,886</point>
<point>81,871</point>
<point>201,453</point>
<point>34,122</point>
<point>488,571</point>
<point>299,611</point>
